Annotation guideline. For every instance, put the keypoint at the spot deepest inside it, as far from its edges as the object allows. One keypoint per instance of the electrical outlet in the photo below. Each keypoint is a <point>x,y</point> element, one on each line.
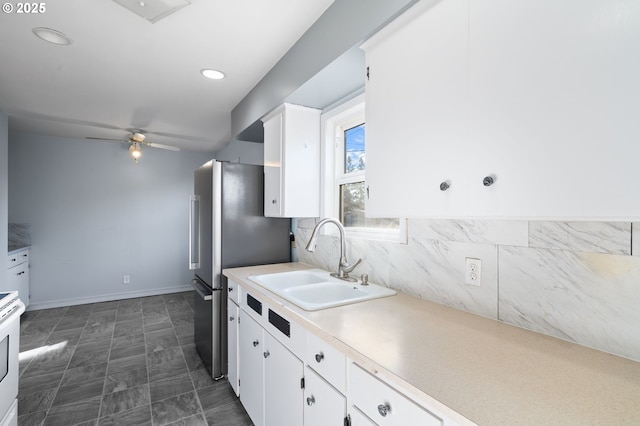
<point>126,279</point>
<point>473,271</point>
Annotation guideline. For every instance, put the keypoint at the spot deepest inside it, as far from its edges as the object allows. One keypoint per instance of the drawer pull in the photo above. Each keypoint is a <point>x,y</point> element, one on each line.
<point>266,354</point>
<point>255,343</point>
<point>230,289</point>
<point>311,400</point>
<point>231,318</point>
<point>384,409</point>
<point>319,357</point>
<point>488,181</point>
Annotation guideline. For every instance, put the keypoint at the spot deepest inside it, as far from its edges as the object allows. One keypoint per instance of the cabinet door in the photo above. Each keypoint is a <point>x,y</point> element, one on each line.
<point>283,392</point>
<point>416,114</point>
<point>251,371</point>
<point>324,405</point>
<point>18,279</point>
<point>273,128</point>
<point>553,84</point>
<point>232,344</point>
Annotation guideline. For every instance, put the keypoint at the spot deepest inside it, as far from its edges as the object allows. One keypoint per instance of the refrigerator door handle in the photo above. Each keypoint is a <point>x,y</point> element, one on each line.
<point>194,232</point>
<point>198,288</point>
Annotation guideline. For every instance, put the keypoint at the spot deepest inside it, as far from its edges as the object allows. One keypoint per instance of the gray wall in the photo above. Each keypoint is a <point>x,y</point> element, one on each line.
<point>95,215</point>
<point>4,164</point>
<point>242,152</point>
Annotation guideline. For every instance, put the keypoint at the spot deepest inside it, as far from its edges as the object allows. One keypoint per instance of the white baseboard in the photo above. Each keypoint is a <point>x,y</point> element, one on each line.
<point>106,297</point>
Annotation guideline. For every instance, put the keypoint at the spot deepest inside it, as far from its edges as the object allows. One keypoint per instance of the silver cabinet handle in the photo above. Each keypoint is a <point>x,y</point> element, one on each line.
<point>311,400</point>
<point>384,409</point>
<point>266,354</point>
<point>255,343</point>
<point>273,201</point>
<point>319,357</point>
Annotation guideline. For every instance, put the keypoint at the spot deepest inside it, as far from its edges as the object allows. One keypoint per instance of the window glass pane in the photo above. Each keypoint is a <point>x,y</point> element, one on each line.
<point>352,209</point>
<point>354,149</point>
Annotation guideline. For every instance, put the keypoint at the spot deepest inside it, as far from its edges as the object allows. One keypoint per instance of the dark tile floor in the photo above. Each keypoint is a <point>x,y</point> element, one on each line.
<point>127,362</point>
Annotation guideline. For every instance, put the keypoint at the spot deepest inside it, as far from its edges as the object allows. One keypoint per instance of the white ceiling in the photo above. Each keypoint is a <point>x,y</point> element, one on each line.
<point>123,72</point>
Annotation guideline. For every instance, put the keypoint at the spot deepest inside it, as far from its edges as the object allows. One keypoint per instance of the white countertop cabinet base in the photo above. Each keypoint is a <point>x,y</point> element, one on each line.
<point>537,95</point>
<point>18,274</point>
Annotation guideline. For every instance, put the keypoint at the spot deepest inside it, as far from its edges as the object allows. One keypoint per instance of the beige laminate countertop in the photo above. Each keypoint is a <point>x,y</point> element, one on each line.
<point>489,372</point>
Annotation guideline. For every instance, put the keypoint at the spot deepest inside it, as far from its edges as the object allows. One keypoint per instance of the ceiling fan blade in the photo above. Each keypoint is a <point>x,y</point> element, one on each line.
<point>105,139</point>
<point>162,146</point>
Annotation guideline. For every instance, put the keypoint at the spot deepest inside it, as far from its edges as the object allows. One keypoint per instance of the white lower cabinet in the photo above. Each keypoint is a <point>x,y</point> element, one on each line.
<point>289,376</point>
<point>251,376</point>
<point>283,392</point>
<point>18,275</point>
<point>270,377</point>
<point>383,404</point>
<point>233,315</point>
<point>324,405</point>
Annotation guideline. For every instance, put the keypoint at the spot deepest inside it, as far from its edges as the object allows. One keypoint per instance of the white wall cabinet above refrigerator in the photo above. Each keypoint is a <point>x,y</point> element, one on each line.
<point>538,95</point>
<point>292,162</point>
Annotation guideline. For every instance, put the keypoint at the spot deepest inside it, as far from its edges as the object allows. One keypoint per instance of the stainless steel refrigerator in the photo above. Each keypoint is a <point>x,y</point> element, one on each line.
<point>227,229</point>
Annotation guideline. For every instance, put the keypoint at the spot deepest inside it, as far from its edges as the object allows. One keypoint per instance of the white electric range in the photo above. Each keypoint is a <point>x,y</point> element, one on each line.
<point>11,307</point>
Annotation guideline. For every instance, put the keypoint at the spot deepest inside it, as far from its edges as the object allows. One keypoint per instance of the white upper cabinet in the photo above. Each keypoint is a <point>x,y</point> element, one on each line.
<point>539,95</point>
<point>292,162</point>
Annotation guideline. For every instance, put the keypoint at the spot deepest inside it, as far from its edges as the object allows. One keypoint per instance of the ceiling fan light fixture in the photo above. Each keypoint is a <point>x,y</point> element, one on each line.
<point>52,36</point>
<point>136,151</point>
<point>213,74</point>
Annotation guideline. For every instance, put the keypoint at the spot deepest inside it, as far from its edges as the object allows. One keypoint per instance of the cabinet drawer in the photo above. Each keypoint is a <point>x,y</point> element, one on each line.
<point>18,258</point>
<point>327,361</point>
<point>385,405</point>
<point>233,291</point>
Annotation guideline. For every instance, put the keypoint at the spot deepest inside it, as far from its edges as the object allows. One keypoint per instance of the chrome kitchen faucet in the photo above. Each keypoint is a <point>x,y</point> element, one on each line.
<point>343,267</point>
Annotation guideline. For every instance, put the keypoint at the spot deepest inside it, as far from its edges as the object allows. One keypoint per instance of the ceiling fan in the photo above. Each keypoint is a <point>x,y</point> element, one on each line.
<point>137,139</point>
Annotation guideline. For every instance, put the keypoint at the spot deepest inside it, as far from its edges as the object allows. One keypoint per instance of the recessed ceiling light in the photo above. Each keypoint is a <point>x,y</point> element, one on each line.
<point>213,74</point>
<point>52,36</point>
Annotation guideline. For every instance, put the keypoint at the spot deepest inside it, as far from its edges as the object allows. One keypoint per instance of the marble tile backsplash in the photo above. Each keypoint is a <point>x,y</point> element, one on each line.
<point>19,235</point>
<point>572,280</point>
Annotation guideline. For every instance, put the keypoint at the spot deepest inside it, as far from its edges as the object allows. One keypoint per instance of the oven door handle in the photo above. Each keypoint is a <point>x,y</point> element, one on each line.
<point>205,294</point>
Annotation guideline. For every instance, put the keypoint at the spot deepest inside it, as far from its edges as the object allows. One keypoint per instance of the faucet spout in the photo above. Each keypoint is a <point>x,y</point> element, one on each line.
<point>344,268</point>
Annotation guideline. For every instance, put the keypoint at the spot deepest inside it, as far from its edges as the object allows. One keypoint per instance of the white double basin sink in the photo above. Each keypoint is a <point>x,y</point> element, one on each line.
<point>315,289</point>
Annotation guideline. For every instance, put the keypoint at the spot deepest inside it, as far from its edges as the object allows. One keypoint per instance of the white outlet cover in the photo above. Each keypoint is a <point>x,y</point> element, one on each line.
<point>473,271</point>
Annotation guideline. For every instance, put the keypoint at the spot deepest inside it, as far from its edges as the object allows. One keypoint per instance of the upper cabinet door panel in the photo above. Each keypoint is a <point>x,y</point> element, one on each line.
<point>555,96</point>
<point>416,107</point>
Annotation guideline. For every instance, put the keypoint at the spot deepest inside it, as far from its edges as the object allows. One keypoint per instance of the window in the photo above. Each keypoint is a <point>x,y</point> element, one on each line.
<point>344,167</point>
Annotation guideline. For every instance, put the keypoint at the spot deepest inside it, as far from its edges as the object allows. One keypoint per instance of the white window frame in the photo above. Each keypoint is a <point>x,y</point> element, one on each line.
<point>347,114</point>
